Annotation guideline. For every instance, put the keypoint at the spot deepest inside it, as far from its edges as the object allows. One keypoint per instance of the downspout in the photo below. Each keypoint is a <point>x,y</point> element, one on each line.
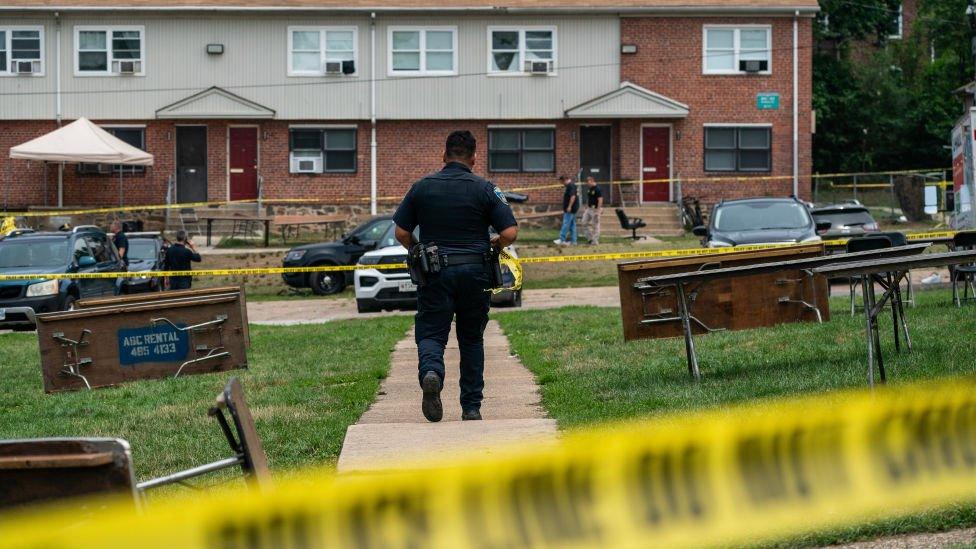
<point>57,100</point>
<point>796,107</point>
<point>372,113</point>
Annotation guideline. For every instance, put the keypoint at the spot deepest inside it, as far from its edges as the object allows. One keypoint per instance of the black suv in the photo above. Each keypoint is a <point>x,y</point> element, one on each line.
<point>759,221</point>
<point>377,232</point>
<point>84,249</point>
<point>146,253</point>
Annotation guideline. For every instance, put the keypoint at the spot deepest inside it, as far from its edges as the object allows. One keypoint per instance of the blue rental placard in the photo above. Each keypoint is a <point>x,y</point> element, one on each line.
<point>162,343</point>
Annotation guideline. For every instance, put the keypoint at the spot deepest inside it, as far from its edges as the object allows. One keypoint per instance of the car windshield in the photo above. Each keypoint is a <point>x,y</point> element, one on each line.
<point>754,216</point>
<point>845,218</point>
<point>141,248</point>
<point>50,252</point>
<point>373,231</point>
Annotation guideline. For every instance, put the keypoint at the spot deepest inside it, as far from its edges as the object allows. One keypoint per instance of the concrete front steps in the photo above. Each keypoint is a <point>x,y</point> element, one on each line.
<point>661,218</point>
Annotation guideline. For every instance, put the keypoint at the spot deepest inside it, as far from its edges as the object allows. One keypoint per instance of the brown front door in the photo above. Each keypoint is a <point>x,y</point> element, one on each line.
<point>656,163</point>
<point>243,163</point>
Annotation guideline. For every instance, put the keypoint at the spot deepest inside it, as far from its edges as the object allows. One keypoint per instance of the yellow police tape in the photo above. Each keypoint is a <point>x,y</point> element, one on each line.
<point>648,254</point>
<point>732,476</point>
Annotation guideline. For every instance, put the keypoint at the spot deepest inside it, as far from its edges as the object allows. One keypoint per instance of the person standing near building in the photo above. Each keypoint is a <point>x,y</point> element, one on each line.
<point>567,234</point>
<point>121,241</point>
<point>178,258</point>
<point>594,207</point>
<point>454,209</point>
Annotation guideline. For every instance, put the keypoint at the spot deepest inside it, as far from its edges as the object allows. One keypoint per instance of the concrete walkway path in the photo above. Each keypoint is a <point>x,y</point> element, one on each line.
<point>393,431</point>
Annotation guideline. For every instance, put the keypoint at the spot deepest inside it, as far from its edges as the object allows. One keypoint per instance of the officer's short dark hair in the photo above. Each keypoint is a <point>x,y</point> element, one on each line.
<point>181,236</point>
<point>564,178</point>
<point>460,144</point>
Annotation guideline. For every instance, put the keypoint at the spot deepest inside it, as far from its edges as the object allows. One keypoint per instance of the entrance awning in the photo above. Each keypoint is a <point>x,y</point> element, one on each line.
<point>215,103</point>
<point>629,101</point>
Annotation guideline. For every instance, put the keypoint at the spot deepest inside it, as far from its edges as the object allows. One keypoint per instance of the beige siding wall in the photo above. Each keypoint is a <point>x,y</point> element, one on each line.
<point>254,66</point>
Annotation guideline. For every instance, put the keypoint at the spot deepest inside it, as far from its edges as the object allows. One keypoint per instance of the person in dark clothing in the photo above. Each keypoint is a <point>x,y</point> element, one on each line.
<point>567,235</point>
<point>178,258</point>
<point>455,209</point>
<point>121,241</point>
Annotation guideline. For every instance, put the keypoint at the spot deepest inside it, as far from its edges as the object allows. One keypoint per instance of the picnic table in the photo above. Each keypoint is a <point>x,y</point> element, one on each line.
<point>287,222</point>
<point>239,219</point>
<point>888,273</point>
<point>687,284</point>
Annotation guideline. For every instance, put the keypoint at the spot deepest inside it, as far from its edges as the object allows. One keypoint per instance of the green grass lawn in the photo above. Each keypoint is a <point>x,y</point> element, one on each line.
<point>305,385</point>
<point>588,375</point>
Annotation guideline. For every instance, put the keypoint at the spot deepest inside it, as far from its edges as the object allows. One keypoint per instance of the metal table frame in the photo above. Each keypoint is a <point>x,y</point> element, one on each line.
<point>888,274</point>
<point>686,285</point>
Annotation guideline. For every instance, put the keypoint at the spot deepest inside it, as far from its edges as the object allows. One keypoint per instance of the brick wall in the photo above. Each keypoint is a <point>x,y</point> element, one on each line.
<point>669,62</point>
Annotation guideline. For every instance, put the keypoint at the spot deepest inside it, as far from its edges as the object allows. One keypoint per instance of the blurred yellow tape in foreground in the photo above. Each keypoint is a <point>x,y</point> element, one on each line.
<point>729,476</point>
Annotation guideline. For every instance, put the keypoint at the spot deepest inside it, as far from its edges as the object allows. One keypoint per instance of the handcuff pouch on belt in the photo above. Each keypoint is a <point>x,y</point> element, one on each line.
<point>423,261</point>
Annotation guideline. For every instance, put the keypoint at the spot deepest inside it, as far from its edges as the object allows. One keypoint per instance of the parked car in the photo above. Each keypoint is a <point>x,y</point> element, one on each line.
<point>146,253</point>
<point>759,221</point>
<point>84,249</point>
<point>846,219</point>
<point>373,234</point>
<point>388,289</point>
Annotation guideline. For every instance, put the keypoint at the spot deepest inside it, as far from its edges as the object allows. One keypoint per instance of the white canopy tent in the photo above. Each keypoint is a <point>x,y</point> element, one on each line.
<point>81,142</point>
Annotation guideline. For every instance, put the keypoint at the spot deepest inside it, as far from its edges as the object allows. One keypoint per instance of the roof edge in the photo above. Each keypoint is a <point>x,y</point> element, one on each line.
<point>623,11</point>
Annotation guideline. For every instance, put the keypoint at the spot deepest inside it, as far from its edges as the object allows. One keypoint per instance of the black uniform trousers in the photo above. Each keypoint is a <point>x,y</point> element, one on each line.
<point>459,291</point>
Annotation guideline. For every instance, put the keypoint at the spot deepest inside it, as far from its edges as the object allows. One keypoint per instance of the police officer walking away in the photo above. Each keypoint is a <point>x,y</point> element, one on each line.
<point>121,241</point>
<point>178,258</point>
<point>454,209</point>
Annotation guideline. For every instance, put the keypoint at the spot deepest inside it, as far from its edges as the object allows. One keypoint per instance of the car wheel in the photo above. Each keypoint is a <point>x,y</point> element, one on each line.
<point>69,303</point>
<point>328,283</point>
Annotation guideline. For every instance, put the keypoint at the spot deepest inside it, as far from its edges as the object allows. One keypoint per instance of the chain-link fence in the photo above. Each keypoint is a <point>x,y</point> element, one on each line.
<point>894,197</point>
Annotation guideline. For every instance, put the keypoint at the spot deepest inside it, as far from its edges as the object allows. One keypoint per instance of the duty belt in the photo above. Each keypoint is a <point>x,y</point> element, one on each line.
<point>448,260</point>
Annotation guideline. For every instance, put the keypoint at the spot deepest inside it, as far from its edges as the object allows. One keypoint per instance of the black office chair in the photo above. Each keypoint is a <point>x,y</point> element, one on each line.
<point>963,273</point>
<point>864,244</point>
<point>630,223</point>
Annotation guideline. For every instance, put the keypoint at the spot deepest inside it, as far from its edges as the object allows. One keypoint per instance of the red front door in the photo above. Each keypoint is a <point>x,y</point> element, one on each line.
<point>656,163</point>
<point>243,163</point>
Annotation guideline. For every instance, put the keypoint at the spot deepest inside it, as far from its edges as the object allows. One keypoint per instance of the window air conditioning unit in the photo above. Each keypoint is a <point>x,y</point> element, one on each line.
<point>90,168</point>
<point>127,67</point>
<point>537,67</point>
<point>306,165</point>
<point>333,67</point>
<point>753,65</point>
<point>26,67</point>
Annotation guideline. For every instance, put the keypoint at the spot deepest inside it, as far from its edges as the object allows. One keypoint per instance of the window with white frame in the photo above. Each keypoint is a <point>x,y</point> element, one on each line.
<point>737,50</point>
<point>738,149</point>
<point>322,150</point>
<point>317,51</point>
<point>109,51</point>
<point>895,26</point>
<point>510,48</point>
<point>22,50</point>
<point>521,150</point>
<point>423,51</point>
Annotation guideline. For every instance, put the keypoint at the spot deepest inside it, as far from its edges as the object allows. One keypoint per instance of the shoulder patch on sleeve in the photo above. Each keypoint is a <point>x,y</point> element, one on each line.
<point>500,195</point>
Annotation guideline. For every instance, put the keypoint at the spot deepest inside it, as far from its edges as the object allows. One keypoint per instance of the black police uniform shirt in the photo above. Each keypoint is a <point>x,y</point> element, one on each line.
<point>178,258</point>
<point>454,209</point>
<point>593,195</point>
<point>568,193</point>
<point>122,241</point>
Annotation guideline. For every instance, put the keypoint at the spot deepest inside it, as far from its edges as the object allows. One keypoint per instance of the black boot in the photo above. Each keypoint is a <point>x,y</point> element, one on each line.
<point>472,414</point>
<point>431,405</point>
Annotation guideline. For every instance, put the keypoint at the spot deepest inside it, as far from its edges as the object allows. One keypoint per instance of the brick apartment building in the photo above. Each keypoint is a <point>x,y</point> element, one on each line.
<point>303,98</point>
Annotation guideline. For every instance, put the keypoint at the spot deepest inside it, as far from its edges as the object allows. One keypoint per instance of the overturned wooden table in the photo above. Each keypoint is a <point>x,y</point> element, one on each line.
<point>888,273</point>
<point>686,285</point>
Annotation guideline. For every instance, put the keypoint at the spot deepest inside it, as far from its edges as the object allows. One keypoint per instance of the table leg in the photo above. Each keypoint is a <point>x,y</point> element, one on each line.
<point>689,340</point>
<point>209,230</point>
<point>901,309</point>
<point>895,324</point>
<point>877,331</point>
<point>267,233</point>
<point>868,329</point>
